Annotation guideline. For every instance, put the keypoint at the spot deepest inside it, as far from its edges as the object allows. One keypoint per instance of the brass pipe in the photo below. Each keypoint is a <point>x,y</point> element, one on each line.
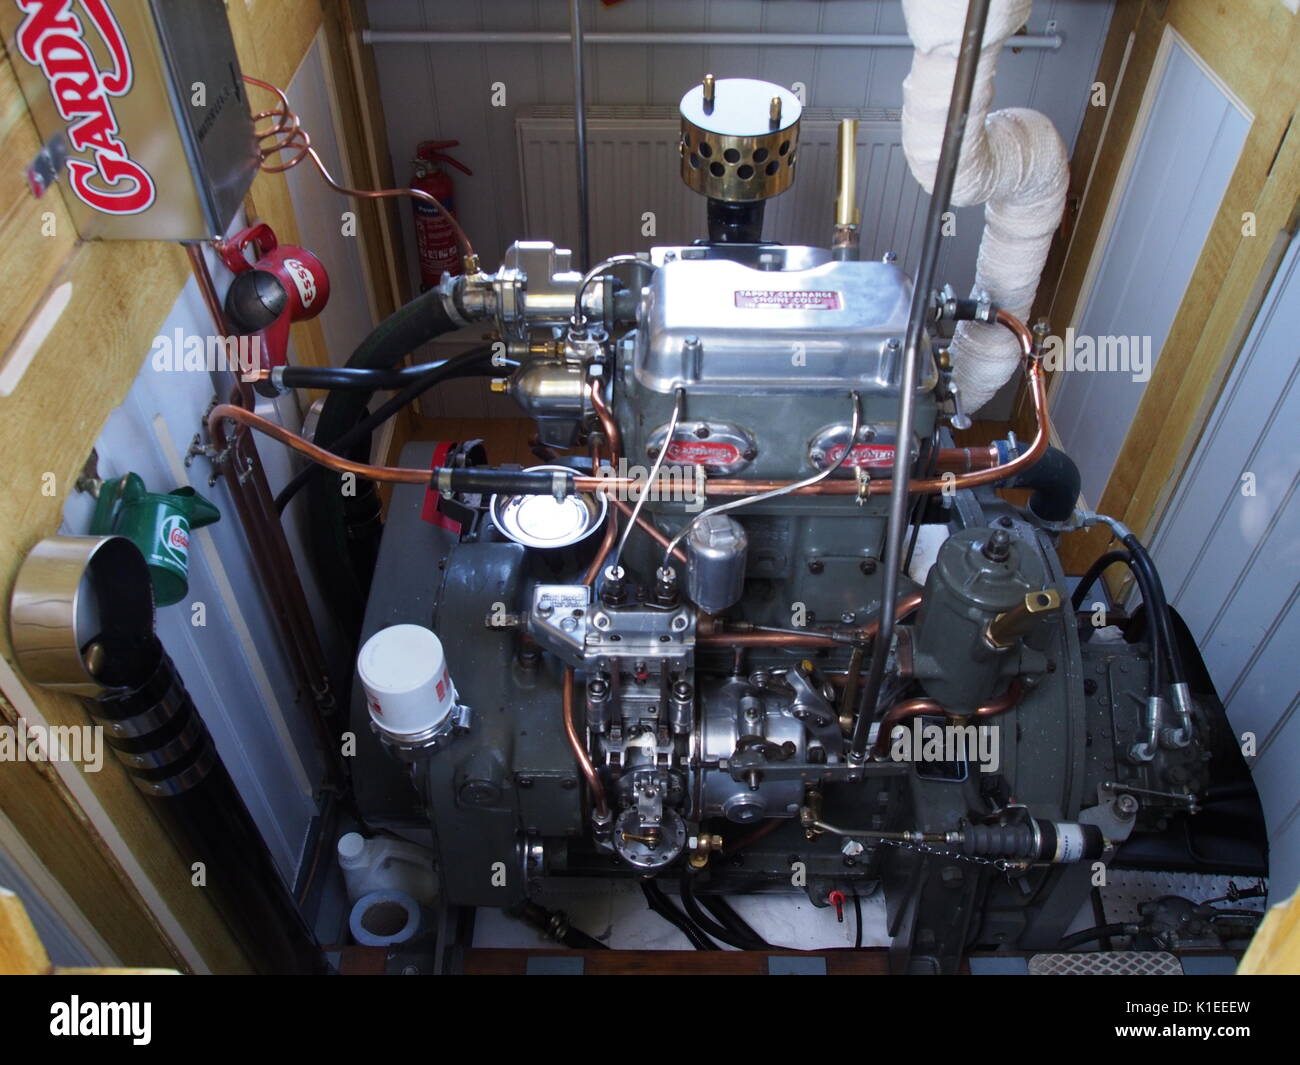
<point>846,232</point>
<point>846,210</point>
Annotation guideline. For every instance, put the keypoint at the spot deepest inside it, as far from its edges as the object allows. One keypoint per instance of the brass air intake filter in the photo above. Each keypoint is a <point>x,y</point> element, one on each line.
<point>739,137</point>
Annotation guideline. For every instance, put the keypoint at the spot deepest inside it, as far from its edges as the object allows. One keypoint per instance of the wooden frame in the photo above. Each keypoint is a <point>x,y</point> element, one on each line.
<point>1253,47</point>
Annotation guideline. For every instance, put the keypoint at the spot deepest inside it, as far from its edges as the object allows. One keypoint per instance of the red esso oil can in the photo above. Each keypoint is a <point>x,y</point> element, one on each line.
<point>435,238</point>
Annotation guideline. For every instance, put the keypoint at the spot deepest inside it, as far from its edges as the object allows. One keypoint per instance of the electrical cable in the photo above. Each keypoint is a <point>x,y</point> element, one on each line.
<point>731,920</point>
<point>659,903</point>
<point>708,925</point>
<point>1089,935</point>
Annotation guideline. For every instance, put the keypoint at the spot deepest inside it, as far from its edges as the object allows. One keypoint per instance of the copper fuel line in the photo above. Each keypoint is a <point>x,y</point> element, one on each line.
<point>910,708</point>
<point>287,135</point>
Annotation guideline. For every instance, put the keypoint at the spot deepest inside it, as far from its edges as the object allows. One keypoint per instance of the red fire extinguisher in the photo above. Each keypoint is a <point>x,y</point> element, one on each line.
<point>435,239</point>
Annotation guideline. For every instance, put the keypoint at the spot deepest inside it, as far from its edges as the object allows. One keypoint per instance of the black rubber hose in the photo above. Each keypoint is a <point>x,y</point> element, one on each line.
<point>857,918</point>
<point>1158,607</point>
<point>1089,935</point>
<point>416,323</point>
<point>731,920</point>
<point>707,924</point>
<point>658,903</point>
<point>1155,635</point>
<point>342,377</point>
<point>1095,571</point>
<point>1055,481</point>
<point>473,363</point>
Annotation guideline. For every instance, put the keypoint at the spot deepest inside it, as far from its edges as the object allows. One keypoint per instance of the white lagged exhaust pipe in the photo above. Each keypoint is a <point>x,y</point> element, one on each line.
<point>1012,160</point>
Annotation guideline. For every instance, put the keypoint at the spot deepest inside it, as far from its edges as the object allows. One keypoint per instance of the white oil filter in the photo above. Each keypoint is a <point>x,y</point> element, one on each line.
<point>408,686</point>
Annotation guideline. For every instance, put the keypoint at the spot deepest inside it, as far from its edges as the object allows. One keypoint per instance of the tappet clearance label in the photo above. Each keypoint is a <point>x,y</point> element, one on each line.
<point>788,299</point>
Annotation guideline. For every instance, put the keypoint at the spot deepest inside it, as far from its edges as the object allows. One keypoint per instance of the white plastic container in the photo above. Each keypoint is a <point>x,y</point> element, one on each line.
<point>408,686</point>
<point>384,864</point>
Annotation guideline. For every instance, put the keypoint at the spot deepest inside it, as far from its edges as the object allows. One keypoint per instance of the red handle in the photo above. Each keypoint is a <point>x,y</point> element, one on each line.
<point>836,899</point>
<point>430,151</point>
<point>232,250</point>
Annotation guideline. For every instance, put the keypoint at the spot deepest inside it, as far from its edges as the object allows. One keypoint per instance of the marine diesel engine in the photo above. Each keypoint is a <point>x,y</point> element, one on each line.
<point>665,651</point>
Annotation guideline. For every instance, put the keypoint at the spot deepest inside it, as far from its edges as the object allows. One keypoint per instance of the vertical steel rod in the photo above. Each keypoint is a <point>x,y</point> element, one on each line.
<point>899,501</point>
<point>580,133</point>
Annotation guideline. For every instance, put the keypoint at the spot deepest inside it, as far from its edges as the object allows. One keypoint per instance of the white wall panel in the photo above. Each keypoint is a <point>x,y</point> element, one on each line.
<point>1177,170</point>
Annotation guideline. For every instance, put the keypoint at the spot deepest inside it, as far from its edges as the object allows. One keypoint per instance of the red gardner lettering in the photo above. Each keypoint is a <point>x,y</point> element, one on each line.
<point>51,37</point>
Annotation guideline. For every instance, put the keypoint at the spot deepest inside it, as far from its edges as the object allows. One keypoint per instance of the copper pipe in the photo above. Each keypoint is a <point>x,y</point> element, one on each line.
<point>769,639</point>
<point>721,637</point>
<point>607,423</point>
<point>599,805</point>
<point>910,708</point>
<point>607,542</point>
<point>203,277</point>
<point>606,546</point>
<point>649,529</point>
<point>1003,702</point>
<point>966,459</point>
<point>316,454</point>
<point>287,134</point>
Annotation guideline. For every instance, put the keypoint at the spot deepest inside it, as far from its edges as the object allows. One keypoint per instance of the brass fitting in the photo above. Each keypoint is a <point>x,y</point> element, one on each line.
<point>1004,629</point>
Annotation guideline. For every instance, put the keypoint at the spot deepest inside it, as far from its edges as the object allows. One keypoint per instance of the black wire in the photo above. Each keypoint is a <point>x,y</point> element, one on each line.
<point>474,362</point>
<point>707,924</point>
<point>731,920</point>
<point>1088,935</point>
<point>658,903</point>
<point>857,917</point>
